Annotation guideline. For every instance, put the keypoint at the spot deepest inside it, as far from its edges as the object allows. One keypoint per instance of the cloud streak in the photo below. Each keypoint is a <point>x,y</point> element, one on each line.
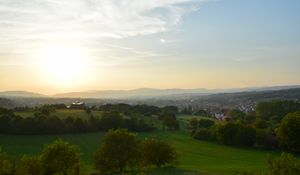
<point>44,19</point>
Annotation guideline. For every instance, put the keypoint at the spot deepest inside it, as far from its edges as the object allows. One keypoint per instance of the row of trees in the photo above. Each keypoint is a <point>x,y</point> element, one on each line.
<point>255,131</point>
<point>44,121</point>
<point>144,110</point>
<point>123,151</point>
<point>120,151</point>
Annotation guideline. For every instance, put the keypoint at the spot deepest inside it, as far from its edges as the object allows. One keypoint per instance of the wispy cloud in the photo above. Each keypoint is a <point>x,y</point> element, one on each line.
<point>29,24</point>
<point>43,19</point>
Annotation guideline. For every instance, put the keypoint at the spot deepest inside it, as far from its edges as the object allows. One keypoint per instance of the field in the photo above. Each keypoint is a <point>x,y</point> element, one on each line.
<point>204,157</point>
<point>64,113</point>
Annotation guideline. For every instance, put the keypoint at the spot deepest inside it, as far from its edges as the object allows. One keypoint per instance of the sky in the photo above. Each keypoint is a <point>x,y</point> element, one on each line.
<point>54,46</point>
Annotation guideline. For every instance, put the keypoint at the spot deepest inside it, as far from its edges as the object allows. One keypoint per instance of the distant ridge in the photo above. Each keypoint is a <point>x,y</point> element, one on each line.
<point>20,94</point>
<point>142,93</point>
<point>157,93</point>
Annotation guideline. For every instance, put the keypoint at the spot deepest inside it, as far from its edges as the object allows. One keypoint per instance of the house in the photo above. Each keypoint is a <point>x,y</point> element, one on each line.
<point>77,105</point>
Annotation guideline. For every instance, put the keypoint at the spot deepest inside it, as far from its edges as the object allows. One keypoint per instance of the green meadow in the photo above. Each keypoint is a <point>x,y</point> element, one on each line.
<point>64,113</point>
<point>193,155</point>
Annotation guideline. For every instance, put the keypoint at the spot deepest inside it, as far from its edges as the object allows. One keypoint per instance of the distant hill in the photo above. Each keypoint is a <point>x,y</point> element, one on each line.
<point>218,100</point>
<point>142,93</point>
<point>20,94</point>
<point>253,96</point>
<point>136,93</point>
<point>161,93</point>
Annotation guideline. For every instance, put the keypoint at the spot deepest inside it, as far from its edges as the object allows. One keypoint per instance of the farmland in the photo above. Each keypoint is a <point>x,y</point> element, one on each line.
<point>194,155</point>
<point>64,113</point>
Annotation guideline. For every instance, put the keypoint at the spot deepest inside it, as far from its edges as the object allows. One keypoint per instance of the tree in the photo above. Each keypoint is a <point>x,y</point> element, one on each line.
<point>276,109</point>
<point>289,131</point>
<point>171,123</point>
<point>286,164</point>
<point>31,165</point>
<point>260,123</point>
<point>236,114</point>
<point>206,123</point>
<point>7,165</point>
<point>265,139</point>
<point>194,123</point>
<point>118,151</point>
<point>235,134</point>
<point>204,134</point>
<point>157,152</point>
<point>111,120</point>
<point>61,158</point>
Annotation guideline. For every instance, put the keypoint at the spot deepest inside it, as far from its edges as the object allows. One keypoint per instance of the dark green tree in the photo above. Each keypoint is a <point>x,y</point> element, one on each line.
<point>276,109</point>
<point>286,164</point>
<point>206,123</point>
<point>194,123</point>
<point>7,164</point>
<point>289,131</point>
<point>118,152</point>
<point>237,114</point>
<point>61,158</point>
<point>157,152</point>
<point>31,165</point>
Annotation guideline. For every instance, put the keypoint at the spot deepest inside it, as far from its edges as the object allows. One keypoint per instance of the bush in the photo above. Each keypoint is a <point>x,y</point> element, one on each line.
<point>157,152</point>
<point>264,139</point>
<point>289,132</point>
<point>205,123</point>
<point>118,152</point>
<point>286,164</point>
<point>31,165</point>
<point>7,165</point>
<point>235,134</point>
<point>204,134</point>
<point>61,158</point>
<point>276,109</point>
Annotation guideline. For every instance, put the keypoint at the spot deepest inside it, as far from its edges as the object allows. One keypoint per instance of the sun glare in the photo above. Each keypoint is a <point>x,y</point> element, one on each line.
<point>63,66</point>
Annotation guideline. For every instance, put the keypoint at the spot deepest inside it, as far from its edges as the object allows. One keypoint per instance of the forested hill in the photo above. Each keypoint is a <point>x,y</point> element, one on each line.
<point>249,98</point>
<point>288,94</point>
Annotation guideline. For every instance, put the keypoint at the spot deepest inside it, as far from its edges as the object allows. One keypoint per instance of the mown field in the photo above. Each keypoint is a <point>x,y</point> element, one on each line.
<point>64,113</point>
<point>203,157</point>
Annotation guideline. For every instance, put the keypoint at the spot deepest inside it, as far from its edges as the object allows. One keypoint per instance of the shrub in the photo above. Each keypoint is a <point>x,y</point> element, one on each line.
<point>157,152</point>
<point>289,131</point>
<point>118,152</point>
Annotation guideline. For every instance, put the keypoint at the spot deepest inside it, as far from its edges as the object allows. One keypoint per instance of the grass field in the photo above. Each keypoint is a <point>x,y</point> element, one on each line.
<point>64,113</point>
<point>194,155</point>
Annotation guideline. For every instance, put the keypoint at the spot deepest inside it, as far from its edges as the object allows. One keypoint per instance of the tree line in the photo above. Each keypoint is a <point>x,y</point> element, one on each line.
<point>274,125</point>
<point>45,121</point>
<point>120,151</point>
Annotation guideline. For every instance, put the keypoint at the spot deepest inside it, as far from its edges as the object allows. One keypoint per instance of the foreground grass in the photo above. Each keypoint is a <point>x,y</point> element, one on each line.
<point>194,155</point>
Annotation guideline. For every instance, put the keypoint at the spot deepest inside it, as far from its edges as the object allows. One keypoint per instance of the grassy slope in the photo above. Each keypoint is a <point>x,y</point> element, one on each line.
<point>64,113</point>
<point>194,155</point>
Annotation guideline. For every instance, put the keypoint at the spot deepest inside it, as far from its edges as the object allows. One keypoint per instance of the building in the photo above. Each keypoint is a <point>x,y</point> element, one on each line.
<point>77,105</point>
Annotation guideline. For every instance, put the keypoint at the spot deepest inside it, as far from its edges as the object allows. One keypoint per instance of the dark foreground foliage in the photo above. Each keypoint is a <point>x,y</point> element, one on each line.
<point>121,151</point>
<point>286,164</point>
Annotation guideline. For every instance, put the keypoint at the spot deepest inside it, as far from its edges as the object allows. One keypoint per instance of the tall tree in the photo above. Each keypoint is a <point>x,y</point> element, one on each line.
<point>118,151</point>
<point>157,152</point>
<point>289,131</point>
<point>61,158</point>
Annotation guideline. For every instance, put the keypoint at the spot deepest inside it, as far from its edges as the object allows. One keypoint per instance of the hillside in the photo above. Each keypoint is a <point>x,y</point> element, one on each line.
<point>20,94</point>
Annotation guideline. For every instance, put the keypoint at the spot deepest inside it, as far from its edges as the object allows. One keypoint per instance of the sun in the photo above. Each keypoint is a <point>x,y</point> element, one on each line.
<point>63,66</point>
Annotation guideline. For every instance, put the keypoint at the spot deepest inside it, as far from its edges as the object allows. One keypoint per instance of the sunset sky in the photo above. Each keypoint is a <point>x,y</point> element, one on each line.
<point>53,46</point>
